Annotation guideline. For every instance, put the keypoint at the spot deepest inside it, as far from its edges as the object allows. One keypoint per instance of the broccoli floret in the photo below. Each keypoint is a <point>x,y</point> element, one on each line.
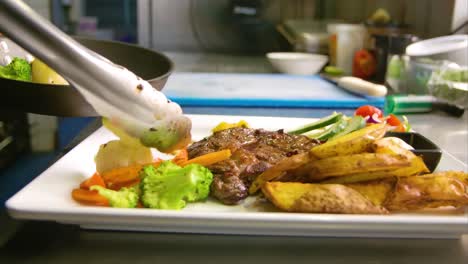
<point>162,137</point>
<point>123,198</point>
<point>170,187</point>
<point>18,69</point>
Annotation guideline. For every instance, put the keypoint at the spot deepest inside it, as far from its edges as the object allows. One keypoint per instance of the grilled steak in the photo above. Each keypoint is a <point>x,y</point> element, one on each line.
<point>253,151</point>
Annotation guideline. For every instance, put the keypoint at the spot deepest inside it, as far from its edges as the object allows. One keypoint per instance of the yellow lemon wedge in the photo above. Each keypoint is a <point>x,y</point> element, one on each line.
<point>41,73</point>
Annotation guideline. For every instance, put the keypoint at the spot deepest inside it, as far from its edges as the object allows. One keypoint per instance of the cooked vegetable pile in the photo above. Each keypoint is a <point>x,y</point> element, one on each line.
<point>127,176</point>
<point>18,69</point>
<point>38,72</point>
<point>163,185</point>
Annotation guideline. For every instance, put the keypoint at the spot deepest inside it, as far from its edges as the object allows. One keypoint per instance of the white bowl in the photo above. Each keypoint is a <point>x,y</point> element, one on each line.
<point>297,63</point>
<point>452,48</point>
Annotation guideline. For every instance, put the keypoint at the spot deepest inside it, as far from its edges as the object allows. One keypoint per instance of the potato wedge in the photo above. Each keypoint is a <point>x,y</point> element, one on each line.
<point>361,177</point>
<point>460,175</point>
<point>353,164</point>
<point>280,169</point>
<point>392,145</point>
<point>355,142</point>
<point>319,198</point>
<point>396,146</point>
<point>429,191</point>
<point>375,191</point>
<point>416,167</point>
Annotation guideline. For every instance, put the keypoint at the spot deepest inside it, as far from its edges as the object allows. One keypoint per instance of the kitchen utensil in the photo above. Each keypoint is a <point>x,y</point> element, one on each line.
<point>297,63</point>
<point>357,85</point>
<point>65,100</point>
<point>250,91</point>
<point>113,91</point>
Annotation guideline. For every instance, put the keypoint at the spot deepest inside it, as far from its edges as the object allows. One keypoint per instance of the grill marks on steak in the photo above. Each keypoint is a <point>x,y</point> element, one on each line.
<point>253,152</point>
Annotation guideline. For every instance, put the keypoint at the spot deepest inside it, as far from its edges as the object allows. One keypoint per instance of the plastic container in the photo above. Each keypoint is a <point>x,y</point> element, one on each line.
<point>344,41</point>
<point>306,35</point>
<point>398,62</point>
<point>419,72</point>
<point>450,83</point>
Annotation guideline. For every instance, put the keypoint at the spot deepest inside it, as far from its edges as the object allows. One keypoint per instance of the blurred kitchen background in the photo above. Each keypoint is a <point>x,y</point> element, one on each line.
<point>189,29</point>
<point>210,36</point>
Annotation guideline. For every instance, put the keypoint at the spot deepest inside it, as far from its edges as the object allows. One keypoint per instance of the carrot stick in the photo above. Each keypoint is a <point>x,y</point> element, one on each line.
<point>124,175</point>
<point>181,157</point>
<point>210,158</point>
<point>96,179</point>
<point>89,197</point>
<point>119,185</point>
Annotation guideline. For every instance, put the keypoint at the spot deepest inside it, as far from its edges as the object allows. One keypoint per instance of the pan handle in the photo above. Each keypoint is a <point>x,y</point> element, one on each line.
<point>104,84</point>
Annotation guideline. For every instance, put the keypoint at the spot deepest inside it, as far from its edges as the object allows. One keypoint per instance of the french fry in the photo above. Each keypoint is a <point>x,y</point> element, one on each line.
<point>319,198</point>
<point>355,142</point>
<point>280,169</point>
<point>353,164</point>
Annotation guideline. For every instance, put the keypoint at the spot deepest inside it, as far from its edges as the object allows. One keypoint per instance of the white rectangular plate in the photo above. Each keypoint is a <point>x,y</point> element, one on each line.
<point>48,198</point>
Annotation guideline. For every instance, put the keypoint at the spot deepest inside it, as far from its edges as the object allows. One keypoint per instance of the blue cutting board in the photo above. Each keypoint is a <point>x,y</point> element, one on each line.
<point>261,90</point>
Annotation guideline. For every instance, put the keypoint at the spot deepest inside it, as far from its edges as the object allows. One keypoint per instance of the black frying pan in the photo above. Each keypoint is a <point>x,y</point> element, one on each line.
<point>64,100</point>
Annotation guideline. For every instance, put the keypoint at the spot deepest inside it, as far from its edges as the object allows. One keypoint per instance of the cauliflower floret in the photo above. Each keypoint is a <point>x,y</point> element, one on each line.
<point>117,153</point>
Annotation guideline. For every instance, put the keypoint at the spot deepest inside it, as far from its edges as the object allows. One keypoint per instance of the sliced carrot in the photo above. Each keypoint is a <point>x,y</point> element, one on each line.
<point>96,179</point>
<point>89,197</point>
<point>124,175</point>
<point>119,185</point>
<point>210,158</point>
<point>180,157</point>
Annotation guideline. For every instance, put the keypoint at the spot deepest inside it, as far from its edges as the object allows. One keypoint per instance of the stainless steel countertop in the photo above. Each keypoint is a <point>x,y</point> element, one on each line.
<point>48,242</point>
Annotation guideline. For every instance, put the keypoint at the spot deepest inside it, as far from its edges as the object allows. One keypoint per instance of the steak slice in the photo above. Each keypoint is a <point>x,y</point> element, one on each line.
<point>253,152</point>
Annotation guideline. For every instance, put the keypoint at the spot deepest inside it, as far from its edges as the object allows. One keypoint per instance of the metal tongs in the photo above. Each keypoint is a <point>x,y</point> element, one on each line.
<point>116,93</point>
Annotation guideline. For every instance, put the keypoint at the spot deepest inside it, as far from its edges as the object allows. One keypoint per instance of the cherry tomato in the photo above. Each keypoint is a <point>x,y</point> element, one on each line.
<point>393,120</point>
<point>368,110</point>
